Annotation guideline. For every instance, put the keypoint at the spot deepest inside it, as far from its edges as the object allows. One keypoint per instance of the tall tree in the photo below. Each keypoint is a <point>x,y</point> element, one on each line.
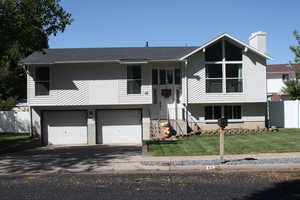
<point>25,26</point>
<point>292,87</point>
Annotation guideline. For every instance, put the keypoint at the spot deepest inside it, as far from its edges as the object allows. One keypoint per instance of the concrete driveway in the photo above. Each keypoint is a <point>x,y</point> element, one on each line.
<point>70,158</point>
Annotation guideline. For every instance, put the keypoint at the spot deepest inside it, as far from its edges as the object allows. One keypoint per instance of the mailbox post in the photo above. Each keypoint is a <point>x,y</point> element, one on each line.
<point>222,122</point>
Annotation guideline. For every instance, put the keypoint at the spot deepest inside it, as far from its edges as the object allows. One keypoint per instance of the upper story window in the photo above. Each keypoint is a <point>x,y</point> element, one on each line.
<point>214,52</point>
<point>214,78</point>
<point>166,76</point>
<point>234,78</point>
<point>134,79</point>
<point>154,77</point>
<point>232,52</point>
<point>41,81</point>
<point>224,68</point>
<point>285,77</point>
<point>177,76</point>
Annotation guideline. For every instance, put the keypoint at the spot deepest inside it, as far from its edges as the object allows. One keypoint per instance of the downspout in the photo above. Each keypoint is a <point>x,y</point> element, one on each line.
<point>268,104</point>
<point>30,109</point>
<point>186,92</point>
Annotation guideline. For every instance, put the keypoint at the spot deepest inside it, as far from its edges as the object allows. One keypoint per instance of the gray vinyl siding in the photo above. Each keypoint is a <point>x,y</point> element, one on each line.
<point>146,90</point>
<point>89,84</point>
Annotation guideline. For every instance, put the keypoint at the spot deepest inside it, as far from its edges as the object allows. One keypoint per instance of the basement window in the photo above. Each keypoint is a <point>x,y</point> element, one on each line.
<point>217,111</point>
<point>42,81</point>
<point>213,112</point>
<point>232,112</point>
<point>134,79</point>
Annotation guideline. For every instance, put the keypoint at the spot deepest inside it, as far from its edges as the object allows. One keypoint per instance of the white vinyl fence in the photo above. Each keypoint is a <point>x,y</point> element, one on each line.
<point>14,122</point>
<point>285,114</point>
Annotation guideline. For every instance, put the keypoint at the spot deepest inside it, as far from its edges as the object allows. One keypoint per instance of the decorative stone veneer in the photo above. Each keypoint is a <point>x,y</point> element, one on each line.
<point>235,125</point>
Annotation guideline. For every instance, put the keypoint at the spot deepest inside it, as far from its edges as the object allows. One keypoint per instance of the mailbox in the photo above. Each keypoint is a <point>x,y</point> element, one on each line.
<point>222,122</point>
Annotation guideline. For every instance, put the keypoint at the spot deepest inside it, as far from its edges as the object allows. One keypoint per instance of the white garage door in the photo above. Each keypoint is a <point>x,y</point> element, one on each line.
<point>65,127</point>
<point>119,127</point>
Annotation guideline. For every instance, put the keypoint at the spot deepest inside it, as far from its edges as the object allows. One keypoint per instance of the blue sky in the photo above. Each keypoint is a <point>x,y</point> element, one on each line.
<point>119,23</point>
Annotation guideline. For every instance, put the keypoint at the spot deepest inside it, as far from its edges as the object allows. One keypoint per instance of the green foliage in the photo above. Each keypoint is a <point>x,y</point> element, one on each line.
<point>296,49</point>
<point>292,87</point>
<point>7,104</point>
<point>25,26</point>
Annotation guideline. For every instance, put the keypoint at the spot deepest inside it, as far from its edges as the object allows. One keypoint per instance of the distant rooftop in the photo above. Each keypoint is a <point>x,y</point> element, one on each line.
<point>282,68</point>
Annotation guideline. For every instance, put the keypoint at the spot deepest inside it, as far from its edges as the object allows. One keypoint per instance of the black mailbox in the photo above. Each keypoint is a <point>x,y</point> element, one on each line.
<point>222,122</point>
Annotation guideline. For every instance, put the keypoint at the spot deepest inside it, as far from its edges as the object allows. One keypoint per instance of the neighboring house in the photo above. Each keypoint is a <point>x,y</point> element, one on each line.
<point>117,95</point>
<point>276,75</point>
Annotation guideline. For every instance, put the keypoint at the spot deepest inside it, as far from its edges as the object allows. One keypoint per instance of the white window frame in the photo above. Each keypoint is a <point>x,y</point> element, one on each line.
<point>36,81</point>
<point>136,94</point>
<point>223,63</point>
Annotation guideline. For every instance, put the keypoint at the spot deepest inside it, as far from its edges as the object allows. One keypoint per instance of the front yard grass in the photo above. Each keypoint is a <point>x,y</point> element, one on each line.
<point>11,140</point>
<point>286,140</point>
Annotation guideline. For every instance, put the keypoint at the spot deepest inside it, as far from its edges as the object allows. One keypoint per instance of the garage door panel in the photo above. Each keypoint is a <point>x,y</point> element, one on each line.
<point>66,127</point>
<point>119,127</point>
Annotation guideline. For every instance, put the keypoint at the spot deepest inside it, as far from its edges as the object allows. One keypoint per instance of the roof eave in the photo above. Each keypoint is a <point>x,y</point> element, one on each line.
<point>102,61</point>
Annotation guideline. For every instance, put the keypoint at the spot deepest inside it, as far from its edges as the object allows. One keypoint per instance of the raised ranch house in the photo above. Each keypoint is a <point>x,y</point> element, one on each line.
<point>118,95</point>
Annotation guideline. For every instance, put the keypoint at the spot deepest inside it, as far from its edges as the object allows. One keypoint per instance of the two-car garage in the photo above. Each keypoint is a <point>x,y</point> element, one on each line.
<point>112,127</point>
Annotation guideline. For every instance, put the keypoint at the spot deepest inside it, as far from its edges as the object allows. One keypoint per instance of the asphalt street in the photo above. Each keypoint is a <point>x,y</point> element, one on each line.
<point>201,185</point>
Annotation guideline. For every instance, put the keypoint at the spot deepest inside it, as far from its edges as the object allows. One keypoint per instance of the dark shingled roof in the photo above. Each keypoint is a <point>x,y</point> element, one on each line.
<point>48,56</point>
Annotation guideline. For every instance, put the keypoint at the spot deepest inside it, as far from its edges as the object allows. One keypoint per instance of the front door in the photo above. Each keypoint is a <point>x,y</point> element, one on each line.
<point>167,93</point>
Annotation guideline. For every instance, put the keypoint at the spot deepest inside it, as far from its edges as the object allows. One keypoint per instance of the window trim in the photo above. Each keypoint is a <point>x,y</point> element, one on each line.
<point>141,79</point>
<point>35,81</point>
<point>223,63</point>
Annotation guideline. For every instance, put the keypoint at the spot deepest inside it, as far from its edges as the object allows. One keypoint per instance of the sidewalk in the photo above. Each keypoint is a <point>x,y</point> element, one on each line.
<point>242,161</point>
<point>98,159</point>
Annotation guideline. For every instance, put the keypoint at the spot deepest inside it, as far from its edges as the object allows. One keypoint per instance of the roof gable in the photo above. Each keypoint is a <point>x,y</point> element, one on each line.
<point>225,35</point>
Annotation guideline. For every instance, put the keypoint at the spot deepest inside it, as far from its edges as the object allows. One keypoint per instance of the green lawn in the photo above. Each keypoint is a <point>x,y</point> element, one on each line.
<point>11,140</point>
<point>286,140</point>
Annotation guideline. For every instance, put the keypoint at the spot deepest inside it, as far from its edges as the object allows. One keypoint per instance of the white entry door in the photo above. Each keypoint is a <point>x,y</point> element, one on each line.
<point>119,127</point>
<point>65,127</point>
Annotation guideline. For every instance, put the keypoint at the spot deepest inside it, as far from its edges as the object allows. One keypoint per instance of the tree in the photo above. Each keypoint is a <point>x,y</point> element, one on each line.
<point>292,87</point>
<point>25,26</point>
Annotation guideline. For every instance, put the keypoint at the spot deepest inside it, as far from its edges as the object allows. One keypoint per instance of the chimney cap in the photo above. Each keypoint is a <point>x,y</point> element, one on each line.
<point>257,33</point>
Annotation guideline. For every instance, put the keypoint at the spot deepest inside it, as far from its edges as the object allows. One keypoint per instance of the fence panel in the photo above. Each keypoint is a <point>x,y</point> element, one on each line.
<point>14,122</point>
<point>285,114</point>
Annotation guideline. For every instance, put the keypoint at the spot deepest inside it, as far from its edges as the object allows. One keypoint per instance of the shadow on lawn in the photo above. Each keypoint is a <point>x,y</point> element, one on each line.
<point>49,159</point>
<point>282,190</point>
